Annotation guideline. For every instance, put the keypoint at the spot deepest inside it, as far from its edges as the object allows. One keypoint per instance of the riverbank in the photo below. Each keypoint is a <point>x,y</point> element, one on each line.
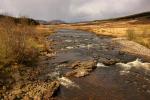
<point>23,48</point>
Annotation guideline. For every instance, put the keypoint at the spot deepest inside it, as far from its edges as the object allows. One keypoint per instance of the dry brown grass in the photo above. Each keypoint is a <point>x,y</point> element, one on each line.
<point>137,33</point>
<point>17,42</point>
<point>46,30</point>
<point>141,38</point>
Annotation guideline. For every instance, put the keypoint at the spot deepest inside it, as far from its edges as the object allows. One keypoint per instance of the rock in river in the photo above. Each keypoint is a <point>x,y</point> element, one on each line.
<point>82,68</point>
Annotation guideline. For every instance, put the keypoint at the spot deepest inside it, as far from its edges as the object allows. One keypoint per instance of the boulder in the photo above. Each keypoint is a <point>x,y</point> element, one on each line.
<point>89,64</point>
<point>82,68</point>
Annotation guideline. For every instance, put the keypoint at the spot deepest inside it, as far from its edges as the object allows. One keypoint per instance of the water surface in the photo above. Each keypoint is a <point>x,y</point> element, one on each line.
<point>103,83</point>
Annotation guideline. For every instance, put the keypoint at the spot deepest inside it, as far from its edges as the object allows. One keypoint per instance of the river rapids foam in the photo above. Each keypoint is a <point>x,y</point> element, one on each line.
<point>137,65</point>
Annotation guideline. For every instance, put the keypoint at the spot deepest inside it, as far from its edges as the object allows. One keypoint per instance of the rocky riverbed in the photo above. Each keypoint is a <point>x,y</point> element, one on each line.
<point>99,67</point>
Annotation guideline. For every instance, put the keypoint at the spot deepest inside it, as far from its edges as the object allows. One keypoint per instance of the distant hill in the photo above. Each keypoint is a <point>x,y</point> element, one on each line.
<point>141,18</point>
<point>43,22</point>
<point>29,21</point>
<point>144,15</point>
<point>53,22</point>
<point>56,22</point>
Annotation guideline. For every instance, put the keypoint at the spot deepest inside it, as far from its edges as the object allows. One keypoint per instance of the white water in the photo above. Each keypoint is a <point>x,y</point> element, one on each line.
<point>67,82</point>
<point>64,81</point>
<point>101,65</point>
<point>137,65</point>
<point>68,40</point>
<point>69,47</point>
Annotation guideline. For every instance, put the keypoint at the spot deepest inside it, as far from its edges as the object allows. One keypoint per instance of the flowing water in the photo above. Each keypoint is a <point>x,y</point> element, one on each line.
<point>119,81</point>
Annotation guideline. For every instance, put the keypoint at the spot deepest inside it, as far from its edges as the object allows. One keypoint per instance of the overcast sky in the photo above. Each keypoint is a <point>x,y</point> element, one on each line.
<point>73,10</point>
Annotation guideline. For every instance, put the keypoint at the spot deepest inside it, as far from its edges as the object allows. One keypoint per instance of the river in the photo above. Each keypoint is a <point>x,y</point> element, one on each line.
<point>108,82</point>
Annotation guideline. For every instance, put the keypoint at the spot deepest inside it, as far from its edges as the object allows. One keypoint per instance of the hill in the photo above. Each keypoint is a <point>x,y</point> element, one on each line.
<point>144,15</point>
<point>29,21</point>
<point>141,18</point>
<point>56,22</point>
<point>138,18</point>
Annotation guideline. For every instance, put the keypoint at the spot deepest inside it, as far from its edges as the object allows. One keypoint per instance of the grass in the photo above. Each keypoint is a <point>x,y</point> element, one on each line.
<point>18,42</point>
<point>22,45</point>
<point>131,34</point>
<point>46,30</point>
<point>143,39</point>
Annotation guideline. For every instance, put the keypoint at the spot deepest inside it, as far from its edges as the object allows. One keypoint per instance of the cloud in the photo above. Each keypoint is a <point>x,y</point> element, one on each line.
<point>73,10</point>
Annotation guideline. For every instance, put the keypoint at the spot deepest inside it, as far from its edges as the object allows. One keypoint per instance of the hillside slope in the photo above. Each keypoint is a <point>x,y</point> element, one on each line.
<point>144,15</point>
<point>141,18</point>
<point>29,21</point>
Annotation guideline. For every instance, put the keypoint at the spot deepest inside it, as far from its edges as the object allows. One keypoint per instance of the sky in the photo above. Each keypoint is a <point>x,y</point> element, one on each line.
<point>73,10</point>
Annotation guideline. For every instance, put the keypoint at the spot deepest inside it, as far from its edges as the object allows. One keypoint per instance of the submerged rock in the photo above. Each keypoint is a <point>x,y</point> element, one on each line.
<point>108,62</point>
<point>111,62</point>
